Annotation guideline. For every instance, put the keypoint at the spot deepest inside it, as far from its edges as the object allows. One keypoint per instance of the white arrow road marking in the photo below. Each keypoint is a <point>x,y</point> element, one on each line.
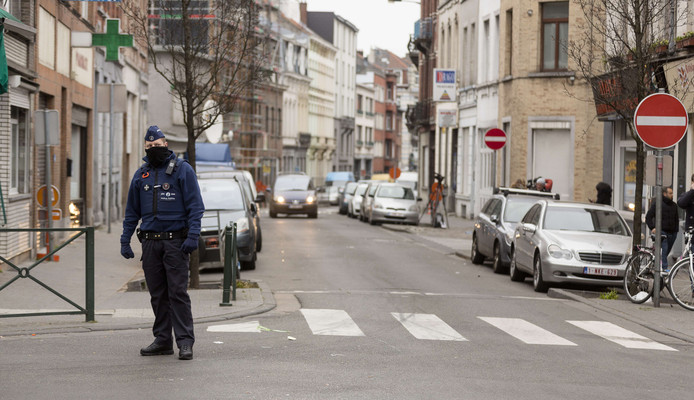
<point>427,327</point>
<point>647,120</point>
<point>331,322</point>
<point>619,335</point>
<point>251,326</point>
<point>527,332</point>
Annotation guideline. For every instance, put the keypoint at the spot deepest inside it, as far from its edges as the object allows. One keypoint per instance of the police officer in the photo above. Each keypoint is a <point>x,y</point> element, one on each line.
<point>165,195</point>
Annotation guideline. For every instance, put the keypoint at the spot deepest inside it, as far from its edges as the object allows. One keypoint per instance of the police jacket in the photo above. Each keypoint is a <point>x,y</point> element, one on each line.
<point>670,219</point>
<point>164,202</point>
<point>686,201</point>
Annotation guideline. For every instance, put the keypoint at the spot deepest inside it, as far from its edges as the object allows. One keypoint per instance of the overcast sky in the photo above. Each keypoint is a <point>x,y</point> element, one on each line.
<point>381,24</point>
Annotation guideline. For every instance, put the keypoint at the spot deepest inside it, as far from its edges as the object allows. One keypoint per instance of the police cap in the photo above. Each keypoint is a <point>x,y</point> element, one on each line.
<point>153,133</point>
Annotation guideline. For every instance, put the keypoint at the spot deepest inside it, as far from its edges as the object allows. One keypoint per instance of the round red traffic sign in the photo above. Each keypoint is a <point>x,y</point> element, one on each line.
<point>495,139</point>
<point>661,120</point>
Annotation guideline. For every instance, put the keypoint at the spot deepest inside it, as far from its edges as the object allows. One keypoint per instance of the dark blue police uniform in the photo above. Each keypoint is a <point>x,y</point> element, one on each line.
<point>167,199</point>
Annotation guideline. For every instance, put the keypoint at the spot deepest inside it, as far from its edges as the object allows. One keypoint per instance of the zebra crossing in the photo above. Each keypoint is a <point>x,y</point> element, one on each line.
<point>430,327</point>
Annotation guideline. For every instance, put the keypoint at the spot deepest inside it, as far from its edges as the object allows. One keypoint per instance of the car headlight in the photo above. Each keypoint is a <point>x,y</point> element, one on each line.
<point>414,207</point>
<point>310,199</point>
<point>378,205</point>
<point>242,225</point>
<point>557,252</point>
<point>279,199</point>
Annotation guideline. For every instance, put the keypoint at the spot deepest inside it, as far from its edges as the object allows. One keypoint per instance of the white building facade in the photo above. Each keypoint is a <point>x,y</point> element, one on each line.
<point>365,122</point>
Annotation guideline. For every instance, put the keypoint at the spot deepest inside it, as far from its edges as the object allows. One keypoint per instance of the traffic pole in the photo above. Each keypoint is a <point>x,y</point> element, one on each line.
<point>658,225</point>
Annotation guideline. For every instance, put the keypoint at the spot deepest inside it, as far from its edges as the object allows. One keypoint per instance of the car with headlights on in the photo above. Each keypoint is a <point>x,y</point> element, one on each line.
<point>292,194</point>
<point>565,242</point>
<point>393,202</point>
<point>225,201</point>
<point>493,230</point>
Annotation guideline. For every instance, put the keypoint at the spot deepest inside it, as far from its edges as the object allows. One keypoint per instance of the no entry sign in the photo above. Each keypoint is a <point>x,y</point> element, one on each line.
<point>495,139</point>
<point>661,120</point>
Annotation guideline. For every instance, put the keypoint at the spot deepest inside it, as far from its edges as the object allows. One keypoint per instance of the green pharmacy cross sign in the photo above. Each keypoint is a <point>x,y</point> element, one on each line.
<point>113,40</point>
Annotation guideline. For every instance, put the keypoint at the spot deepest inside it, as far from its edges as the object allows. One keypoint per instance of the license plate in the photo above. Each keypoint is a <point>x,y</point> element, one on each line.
<point>296,206</point>
<point>600,271</point>
<point>395,214</point>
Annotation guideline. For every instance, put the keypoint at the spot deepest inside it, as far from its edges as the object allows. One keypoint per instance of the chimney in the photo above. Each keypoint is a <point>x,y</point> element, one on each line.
<point>304,13</point>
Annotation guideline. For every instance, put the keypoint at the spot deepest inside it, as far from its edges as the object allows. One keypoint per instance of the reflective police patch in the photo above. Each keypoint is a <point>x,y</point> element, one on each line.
<point>165,186</point>
<point>151,138</point>
<point>146,188</point>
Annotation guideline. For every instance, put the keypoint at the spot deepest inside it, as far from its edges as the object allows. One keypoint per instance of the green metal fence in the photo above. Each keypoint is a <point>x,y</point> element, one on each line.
<point>25,272</point>
<point>231,261</point>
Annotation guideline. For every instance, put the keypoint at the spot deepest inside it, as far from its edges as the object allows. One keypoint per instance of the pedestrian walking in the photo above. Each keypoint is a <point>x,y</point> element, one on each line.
<point>604,193</point>
<point>165,195</point>
<point>670,223</point>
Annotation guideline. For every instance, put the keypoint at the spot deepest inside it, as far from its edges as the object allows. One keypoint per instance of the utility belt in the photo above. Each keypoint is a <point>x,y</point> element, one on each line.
<point>161,235</point>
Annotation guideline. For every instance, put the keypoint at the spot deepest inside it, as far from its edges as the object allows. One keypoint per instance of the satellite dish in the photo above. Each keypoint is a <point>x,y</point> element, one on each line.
<point>214,132</point>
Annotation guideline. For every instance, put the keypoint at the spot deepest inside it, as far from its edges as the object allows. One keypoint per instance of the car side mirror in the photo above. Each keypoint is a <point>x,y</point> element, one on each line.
<point>494,218</point>
<point>529,228</point>
<point>254,207</point>
<point>260,198</point>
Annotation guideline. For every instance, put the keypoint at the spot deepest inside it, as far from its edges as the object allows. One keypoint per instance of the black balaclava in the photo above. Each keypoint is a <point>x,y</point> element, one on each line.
<point>157,155</point>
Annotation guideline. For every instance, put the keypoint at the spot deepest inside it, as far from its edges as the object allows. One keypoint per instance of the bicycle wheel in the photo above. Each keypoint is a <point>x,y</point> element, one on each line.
<point>638,277</point>
<point>681,284</point>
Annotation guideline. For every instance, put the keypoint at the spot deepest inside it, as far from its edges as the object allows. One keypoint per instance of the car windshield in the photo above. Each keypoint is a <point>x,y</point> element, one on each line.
<point>516,207</point>
<point>584,219</point>
<point>291,182</point>
<point>351,187</point>
<point>221,194</point>
<point>361,189</point>
<point>396,192</point>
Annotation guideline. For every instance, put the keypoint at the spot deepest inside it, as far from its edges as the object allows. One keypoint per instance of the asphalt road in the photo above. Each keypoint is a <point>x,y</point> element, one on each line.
<point>367,313</point>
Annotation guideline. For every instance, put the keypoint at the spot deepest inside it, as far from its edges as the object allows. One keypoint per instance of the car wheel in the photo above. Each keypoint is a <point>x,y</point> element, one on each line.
<point>273,213</point>
<point>313,214</point>
<point>516,274</point>
<point>498,267</point>
<point>371,220</point>
<point>249,265</point>
<point>259,241</point>
<point>538,283</point>
<point>475,255</point>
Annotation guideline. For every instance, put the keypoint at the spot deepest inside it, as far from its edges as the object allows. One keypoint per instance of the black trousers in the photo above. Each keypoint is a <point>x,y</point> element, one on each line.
<point>166,274</point>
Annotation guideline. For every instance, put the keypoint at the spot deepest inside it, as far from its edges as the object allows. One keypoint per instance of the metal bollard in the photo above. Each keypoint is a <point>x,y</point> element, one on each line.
<point>230,265</point>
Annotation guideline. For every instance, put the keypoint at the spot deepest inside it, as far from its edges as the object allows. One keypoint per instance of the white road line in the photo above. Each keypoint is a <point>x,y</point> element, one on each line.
<point>527,332</point>
<point>427,327</point>
<point>331,322</point>
<point>646,120</point>
<point>620,335</point>
<point>243,327</point>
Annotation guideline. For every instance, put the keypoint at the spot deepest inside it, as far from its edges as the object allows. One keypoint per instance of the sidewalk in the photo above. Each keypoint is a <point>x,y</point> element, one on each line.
<point>115,308</point>
<point>670,319</point>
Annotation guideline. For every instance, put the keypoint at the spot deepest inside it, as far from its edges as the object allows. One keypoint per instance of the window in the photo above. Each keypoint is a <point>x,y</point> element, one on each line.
<point>46,38</point>
<point>19,173</point>
<point>168,25</point>
<point>555,33</point>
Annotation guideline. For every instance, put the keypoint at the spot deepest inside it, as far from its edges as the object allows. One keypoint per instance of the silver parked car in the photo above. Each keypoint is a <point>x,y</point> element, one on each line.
<point>566,242</point>
<point>354,206</point>
<point>393,202</point>
<point>368,197</point>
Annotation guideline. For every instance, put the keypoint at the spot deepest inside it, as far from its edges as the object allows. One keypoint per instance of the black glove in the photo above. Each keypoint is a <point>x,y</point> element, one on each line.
<point>189,245</point>
<point>126,251</point>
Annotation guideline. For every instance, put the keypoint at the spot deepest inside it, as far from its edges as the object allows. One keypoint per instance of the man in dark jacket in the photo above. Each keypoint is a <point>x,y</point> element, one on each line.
<point>669,226</point>
<point>604,193</point>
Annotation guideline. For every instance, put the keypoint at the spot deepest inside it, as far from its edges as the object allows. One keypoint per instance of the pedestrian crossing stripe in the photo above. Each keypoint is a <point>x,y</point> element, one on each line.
<point>527,332</point>
<point>427,327</point>
<point>619,335</point>
<point>431,327</point>
<point>331,322</point>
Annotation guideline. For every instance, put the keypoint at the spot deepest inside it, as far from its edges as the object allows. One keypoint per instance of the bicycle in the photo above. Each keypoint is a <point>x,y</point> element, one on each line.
<point>436,197</point>
<point>639,276</point>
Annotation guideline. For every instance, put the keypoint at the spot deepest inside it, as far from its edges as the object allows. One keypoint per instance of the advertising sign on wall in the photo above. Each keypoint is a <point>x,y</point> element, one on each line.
<point>444,85</point>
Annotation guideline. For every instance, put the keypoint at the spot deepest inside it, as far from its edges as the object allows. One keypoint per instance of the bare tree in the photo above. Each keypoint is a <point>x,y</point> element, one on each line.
<point>210,54</point>
<point>619,53</point>
<point>208,51</point>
